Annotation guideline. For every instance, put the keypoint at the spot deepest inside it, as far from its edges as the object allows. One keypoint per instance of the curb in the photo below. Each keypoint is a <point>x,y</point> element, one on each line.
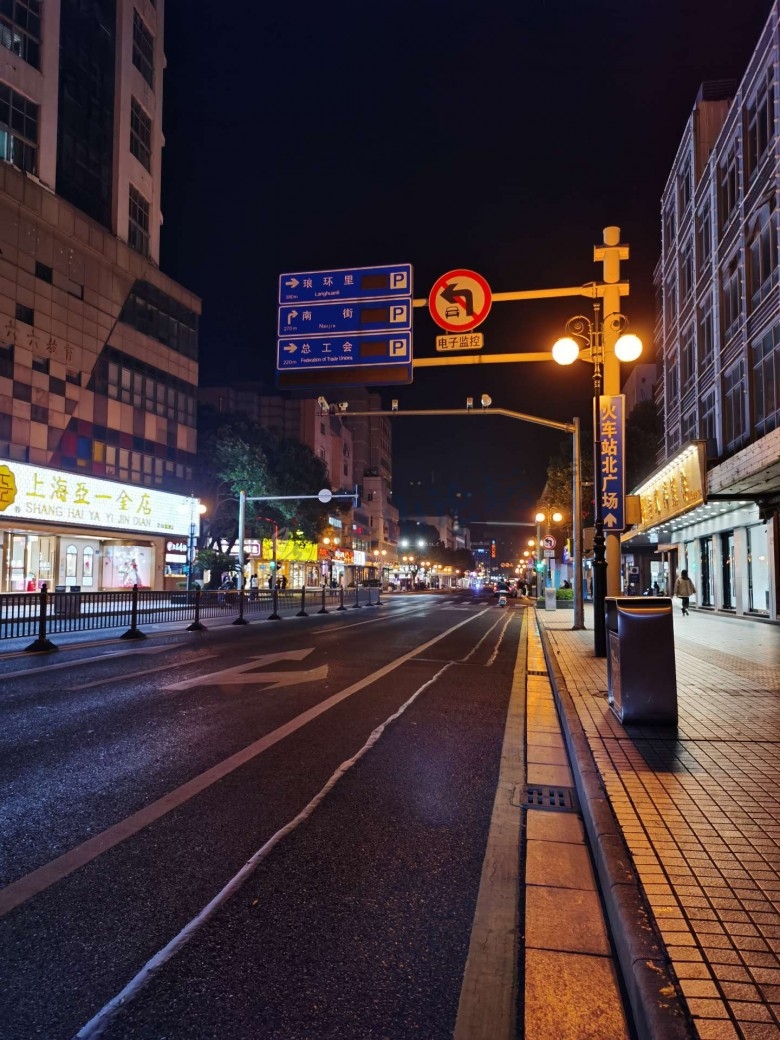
<point>657,1005</point>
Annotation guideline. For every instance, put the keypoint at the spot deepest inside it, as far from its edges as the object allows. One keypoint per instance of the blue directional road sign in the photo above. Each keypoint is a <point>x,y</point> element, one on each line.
<point>612,466</point>
<point>337,351</point>
<point>389,281</point>
<point>327,319</point>
<point>342,322</point>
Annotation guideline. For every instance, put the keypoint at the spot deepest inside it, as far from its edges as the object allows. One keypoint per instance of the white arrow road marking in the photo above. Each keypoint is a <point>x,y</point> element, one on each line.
<point>249,672</point>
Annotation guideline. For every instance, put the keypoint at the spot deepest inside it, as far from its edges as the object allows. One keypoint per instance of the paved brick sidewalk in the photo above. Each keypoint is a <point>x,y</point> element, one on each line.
<point>699,810</point>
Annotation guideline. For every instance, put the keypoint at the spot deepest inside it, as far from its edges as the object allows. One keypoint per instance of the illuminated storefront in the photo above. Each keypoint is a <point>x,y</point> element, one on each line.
<point>65,528</point>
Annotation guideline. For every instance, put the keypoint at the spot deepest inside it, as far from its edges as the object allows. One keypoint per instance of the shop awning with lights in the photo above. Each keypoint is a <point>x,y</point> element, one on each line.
<point>675,497</point>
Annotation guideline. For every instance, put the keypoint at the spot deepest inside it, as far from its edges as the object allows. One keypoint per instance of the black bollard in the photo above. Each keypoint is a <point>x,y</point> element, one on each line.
<point>323,609</point>
<point>197,625</point>
<point>302,611</point>
<point>241,620</point>
<point>341,599</point>
<point>134,632</point>
<point>356,604</point>
<point>41,643</point>
<point>274,616</point>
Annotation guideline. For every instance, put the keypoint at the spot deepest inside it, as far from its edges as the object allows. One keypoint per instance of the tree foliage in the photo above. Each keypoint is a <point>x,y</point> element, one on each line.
<point>236,454</point>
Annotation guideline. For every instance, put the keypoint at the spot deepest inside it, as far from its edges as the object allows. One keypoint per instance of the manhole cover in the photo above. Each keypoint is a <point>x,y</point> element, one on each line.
<point>547,796</point>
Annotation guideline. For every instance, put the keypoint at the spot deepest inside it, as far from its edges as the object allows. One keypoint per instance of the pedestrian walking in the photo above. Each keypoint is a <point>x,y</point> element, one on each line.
<point>684,588</point>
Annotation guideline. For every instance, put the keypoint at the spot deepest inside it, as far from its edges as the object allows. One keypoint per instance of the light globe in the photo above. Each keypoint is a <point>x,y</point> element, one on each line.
<point>565,351</point>
<point>628,347</point>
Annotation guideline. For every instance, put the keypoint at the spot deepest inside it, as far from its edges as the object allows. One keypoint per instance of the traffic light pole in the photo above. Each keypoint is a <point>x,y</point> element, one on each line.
<point>324,496</point>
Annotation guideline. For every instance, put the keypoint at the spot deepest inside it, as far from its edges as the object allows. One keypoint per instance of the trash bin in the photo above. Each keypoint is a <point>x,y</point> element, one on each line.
<point>549,599</point>
<point>67,604</point>
<point>642,678</point>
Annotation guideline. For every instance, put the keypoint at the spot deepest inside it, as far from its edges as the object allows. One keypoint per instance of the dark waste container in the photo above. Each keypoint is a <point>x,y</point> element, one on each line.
<point>640,660</point>
<point>67,604</point>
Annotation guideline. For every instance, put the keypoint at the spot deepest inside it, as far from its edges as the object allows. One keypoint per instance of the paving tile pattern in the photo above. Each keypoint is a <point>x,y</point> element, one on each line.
<point>700,811</point>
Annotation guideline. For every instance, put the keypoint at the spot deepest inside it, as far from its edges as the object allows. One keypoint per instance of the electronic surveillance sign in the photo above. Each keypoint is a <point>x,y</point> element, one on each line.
<point>348,326</point>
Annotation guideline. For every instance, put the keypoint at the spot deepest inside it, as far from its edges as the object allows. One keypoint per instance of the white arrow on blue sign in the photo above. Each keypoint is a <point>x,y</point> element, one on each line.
<point>388,281</point>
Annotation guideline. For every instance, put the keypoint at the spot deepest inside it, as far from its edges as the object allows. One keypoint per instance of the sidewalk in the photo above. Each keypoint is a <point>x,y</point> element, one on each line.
<point>699,813</point>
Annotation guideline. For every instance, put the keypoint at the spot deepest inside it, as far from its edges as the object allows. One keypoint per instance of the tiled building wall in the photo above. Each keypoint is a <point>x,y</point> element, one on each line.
<point>64,281</point>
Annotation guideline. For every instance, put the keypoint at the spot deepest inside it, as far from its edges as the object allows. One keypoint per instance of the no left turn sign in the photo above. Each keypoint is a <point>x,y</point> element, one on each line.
<point>460,300</point>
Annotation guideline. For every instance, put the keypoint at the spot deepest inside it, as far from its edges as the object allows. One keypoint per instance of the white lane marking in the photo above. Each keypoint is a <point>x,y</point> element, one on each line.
<point>90,660</point>
<point>192,659</point>
<point>39,880</point>
<point>477,645</point>
<point>99,1022</point>
<point>491,660</point>
<point>248,672</point>
<point>486,1010</point>
<point>399,612</point>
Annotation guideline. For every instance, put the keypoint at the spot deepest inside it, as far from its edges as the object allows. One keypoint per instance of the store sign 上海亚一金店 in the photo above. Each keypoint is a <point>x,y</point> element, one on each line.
<point>61,497</point>
<point>678,488</point>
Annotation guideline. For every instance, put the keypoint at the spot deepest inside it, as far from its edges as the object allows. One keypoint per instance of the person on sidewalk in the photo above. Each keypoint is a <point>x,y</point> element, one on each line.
<point>684,588</point>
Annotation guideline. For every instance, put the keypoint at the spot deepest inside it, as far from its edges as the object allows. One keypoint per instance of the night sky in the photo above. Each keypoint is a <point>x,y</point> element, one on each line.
<point>500,137</point>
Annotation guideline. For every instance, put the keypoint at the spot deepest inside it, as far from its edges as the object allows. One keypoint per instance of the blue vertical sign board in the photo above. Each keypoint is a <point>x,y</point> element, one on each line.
<point>612,468</point>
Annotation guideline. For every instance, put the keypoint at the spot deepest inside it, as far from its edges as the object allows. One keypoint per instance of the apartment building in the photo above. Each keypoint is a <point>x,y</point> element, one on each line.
<point>98,348</point>
<point>712,506</point>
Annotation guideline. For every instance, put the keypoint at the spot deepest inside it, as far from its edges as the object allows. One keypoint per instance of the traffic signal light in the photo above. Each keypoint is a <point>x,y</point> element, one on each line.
<point>493,550</point>
<point>540,566</point>
<point>272,565</point>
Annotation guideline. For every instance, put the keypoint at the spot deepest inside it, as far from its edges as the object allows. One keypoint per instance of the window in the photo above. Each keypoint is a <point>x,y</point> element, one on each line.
<point>670,304</point>
<point>41,364</point>
<point>708,423</point>
<point>760,115</point>
<point>669,226</point>
<point>731,297</point>
<point>20,29</point>
<point>138,227</point>
<point>706,336</point>
<point>687,357</point>
<point>672,378</point>
<point>762,257</point>
<point>703,239</point>
<point>156,314</point>
<point>7,361</point>
<point>684,186</point>
<point>766,381</point>
<point>18,130</point>
<point>688,423</point>
<point>140,135</point>
<point>44,272</point>
<point>734,413</point>
<point>25,314</point>
<point>143,49</point>
<point>728,184</point>
<point>686,270</point>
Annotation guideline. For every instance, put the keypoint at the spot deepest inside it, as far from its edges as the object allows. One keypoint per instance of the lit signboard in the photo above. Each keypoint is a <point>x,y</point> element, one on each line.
<point>53,496</point>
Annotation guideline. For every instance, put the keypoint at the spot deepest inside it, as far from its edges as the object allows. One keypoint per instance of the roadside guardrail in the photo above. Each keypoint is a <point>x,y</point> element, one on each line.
<point>44,614</point>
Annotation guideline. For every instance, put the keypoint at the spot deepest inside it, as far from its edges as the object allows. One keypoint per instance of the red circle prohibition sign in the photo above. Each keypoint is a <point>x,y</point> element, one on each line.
<point>460,300</point>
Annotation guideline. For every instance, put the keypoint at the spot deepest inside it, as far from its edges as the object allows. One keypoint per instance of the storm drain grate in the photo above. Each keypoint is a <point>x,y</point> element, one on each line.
<point>532,671</point>
<point>550,797</point>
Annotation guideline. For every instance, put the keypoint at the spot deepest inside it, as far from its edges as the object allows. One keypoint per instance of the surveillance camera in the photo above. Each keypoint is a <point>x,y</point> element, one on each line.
<point>469,402</point>
<point>322,402</point>
<point>394,405</point>
<point>343,405</point>
<point>486,400</point>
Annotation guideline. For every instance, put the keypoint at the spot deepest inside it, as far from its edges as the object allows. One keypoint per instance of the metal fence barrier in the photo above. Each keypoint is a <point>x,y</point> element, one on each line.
<point>44,614</point>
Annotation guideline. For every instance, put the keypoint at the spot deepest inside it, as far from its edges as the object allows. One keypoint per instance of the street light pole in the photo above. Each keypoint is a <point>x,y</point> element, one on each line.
<point>626,347</point>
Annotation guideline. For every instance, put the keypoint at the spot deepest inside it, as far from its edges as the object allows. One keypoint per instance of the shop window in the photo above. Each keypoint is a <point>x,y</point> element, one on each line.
<point>758,569</point>
<point>71,561</point>
<point>88,566</point>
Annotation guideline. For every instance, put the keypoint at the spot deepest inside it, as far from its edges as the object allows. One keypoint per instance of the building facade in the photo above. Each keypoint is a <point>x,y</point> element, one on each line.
<point>98,348</point>
<point>718,347</point>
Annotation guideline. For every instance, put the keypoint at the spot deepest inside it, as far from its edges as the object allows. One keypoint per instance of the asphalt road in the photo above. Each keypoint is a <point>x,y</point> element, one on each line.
<point>193,850</point>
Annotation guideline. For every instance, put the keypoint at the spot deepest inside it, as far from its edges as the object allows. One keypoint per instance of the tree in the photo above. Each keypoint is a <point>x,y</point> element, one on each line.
<point>236,454</point>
